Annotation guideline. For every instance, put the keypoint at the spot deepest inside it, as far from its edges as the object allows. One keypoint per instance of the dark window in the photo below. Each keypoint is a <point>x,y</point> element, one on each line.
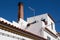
<point>44,21</point>
<point>58,39</point>
<point>22,39</point>
<point>31,23</point>
<point>51,25</point>
<point>48,38</point>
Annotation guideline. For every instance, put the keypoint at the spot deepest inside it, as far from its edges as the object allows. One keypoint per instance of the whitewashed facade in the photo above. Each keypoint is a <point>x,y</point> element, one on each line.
<point>9,29</point>
<point>40,27</point>
<point>5,35</point>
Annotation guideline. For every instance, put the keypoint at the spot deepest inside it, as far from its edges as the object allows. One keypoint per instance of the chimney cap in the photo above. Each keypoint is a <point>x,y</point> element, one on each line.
<point>20,3</point>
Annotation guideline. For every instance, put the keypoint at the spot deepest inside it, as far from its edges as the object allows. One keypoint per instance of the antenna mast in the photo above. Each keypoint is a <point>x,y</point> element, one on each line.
<point>32,10</point>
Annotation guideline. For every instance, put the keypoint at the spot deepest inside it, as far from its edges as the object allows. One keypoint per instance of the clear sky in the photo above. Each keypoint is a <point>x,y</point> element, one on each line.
<point>9,9</point>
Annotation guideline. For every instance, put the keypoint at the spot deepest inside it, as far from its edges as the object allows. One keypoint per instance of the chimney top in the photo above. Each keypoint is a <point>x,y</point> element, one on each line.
<point>20,3</point>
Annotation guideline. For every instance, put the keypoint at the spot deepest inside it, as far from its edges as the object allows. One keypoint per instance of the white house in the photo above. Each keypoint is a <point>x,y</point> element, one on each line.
<point>43,26</point>
<point>17,30</point>
<point>6,31</point>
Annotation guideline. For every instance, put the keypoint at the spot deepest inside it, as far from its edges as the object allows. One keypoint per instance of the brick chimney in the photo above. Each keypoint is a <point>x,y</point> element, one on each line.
<point>20,11</point>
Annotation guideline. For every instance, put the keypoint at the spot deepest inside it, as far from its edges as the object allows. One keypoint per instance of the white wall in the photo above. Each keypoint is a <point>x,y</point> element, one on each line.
<point>4,35</point>
<point>36,28</point>
<point>49,25</point>
<point>47,34</point>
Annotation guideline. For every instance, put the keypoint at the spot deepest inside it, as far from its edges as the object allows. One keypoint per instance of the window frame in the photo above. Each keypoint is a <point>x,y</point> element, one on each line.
<point>48,38</point>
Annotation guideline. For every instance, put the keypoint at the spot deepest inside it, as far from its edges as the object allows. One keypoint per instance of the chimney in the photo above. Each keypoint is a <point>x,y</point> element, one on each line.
<point>20,11</point>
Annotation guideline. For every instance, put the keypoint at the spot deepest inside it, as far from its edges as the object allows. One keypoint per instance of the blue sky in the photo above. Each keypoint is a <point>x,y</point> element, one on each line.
<point>9,9</point>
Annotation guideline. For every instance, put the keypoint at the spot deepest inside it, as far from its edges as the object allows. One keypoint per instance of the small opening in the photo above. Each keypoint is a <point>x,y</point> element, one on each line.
<point>48,38</point>
<point>44,21</point>
<point>51,25</point>
<point>31,23</point>
<point>22,39</point>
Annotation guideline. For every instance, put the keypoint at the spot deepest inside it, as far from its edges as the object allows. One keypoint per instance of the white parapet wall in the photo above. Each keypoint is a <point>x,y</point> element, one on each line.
<point>5,35</point>
<point>36,28</point>
<point>21,24</point>
<point>4,20</point>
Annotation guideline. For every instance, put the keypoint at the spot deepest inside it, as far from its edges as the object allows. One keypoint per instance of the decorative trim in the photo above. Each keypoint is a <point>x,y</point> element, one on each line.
<point>4,34</point>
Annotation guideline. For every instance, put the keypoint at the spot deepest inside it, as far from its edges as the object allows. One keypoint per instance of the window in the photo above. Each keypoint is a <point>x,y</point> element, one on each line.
<point>44,20</point>
<point>51,25</point>
<point>48,38</point>
<point>22,39</point>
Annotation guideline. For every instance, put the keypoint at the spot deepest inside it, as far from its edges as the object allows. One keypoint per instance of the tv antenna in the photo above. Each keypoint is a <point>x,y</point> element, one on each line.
<point>33,10</point>
<point>34,17</point>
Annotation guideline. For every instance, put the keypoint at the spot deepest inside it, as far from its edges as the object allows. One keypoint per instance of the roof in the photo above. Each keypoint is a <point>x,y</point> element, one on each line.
<point>51,17</point>
<point>11,28</point>
<point>47,15</point>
